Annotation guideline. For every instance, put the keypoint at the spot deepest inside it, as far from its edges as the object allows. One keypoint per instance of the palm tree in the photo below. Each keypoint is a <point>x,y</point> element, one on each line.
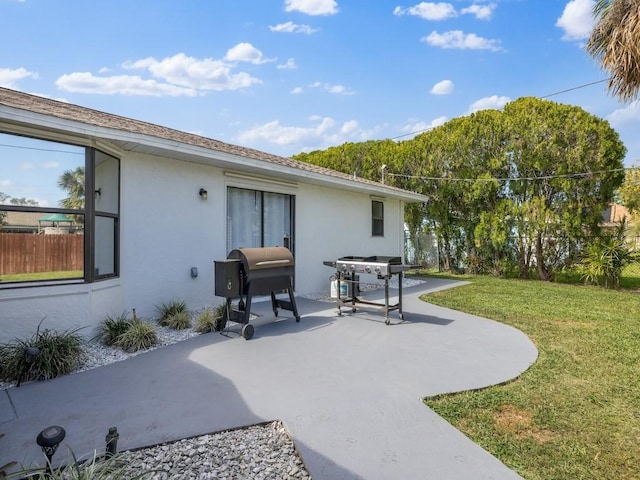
<point>72,181</point>
<point>615,44</point>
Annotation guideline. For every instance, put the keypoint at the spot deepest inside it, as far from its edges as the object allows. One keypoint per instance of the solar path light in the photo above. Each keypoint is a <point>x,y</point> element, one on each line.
<point>49,439</point>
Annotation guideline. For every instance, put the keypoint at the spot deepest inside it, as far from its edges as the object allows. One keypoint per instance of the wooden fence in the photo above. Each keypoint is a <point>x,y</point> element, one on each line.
<point>31,253</point>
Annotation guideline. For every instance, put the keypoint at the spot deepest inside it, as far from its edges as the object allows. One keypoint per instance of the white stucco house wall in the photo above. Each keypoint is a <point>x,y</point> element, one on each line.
<point>147,225</point>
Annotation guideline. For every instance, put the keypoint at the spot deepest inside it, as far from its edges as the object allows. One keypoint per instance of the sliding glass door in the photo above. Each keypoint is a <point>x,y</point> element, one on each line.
<point>259,219</point>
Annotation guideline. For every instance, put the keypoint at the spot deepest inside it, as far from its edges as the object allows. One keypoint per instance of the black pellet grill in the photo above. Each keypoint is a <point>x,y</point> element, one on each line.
<point>250,272</point>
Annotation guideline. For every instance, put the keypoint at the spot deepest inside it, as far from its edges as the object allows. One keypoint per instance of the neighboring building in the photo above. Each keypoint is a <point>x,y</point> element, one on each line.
<point>165,202</point>
<point>614,215</point>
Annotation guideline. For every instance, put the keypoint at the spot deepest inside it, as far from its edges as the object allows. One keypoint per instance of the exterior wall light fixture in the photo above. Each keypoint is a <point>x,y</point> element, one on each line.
<point>203,194</point>
<point>98,192</point>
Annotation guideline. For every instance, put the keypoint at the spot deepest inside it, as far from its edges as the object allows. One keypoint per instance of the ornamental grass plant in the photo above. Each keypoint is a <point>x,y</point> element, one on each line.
<point>60,353</point>
<point>111,328</point>
<point>207,319</point>
<point>178,321</point>
<point>169,309</point>
<point>140,335</point>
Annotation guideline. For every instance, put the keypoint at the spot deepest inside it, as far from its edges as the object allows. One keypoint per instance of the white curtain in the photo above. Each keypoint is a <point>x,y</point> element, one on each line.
<point>258,219</point>
<point>244,211</point>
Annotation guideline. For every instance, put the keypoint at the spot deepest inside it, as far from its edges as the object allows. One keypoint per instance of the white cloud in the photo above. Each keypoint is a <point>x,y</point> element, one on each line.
<point>296,91</point>
<point>33,166</point>
<point>445,87</point>
<point>577,20</point>
<point>85,82</point>
<point>50,165</point>
<point>626,115</point>
<point>336,89</point>
<point>323,132</point>
<point>290,27</point>
<point>428,11</point>
<point>9,77</point>
<point>481,12</point>
<point>273,132</point>
<point>193,73</point>
<point>245,52</point>
<point>493,102</point>
<point>459,40</point>
<point>289,65</point>
<point>415,127</point>
<point>312,7</point>
<point>350,127</point>
<point>105,70</point>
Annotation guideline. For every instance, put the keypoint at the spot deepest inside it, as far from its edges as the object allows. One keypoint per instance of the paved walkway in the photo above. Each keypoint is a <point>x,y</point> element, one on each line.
<point>348,388</point>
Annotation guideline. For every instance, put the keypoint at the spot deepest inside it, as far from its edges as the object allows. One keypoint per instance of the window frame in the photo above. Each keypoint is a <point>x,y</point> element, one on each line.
<point>88,212</point>
<point>261,193</point>
<point>377,220</point>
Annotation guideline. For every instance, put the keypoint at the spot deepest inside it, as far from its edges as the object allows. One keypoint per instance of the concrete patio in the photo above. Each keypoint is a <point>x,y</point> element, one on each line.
<point>348,388</point>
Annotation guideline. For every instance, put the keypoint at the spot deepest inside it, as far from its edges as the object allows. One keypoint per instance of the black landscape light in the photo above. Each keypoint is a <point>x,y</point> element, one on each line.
<point>112,442</point>
<point>29,356</point>
<point>49,439</point>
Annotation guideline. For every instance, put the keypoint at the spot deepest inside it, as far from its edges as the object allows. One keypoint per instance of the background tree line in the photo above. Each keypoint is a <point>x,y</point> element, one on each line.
<point>517,191</point>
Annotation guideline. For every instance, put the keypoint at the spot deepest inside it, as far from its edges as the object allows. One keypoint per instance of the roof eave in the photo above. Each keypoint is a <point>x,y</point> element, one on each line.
<point>197,154</point>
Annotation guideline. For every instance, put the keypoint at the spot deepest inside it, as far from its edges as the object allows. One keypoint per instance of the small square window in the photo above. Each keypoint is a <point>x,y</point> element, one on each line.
<point>377,218</point>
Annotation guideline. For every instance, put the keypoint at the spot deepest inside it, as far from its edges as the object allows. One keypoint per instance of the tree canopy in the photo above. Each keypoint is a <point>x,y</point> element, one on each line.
<point>515,189</point>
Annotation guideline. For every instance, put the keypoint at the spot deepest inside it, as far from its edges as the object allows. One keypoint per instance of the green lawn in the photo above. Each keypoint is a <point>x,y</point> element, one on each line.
<point>575,414</point>
<point>30,277</point>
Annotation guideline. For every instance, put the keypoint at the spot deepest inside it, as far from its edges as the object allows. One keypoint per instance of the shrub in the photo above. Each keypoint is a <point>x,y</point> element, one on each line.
<point>60,354</point>
<point>111,328</point>
<point>208,319</point>
<point>605,259</point>
<point>139,336</point>
<point>166,310</point>
<point>178,321</point>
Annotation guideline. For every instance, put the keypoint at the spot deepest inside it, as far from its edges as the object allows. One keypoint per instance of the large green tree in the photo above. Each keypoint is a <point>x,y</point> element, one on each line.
<point>615,44</point>
<point>566,165</point>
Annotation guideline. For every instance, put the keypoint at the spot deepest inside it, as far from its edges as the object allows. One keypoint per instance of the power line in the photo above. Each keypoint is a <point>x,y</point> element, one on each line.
<point>544,177</point>
<point>576,88</point>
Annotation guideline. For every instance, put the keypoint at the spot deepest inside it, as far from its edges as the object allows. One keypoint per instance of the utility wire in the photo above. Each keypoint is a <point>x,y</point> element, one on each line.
<point>544,177</point>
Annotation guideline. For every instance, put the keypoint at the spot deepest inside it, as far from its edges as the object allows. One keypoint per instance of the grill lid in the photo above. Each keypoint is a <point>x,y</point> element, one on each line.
<point>262,258</point>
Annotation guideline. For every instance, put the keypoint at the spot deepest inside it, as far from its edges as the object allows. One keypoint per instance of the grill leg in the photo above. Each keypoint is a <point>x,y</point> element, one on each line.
<point>386,299</point>
<point>400,279</point>
<point>294,307</point>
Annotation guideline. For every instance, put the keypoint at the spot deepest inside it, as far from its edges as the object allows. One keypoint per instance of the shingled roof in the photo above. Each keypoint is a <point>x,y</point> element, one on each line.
<point>96,118</point>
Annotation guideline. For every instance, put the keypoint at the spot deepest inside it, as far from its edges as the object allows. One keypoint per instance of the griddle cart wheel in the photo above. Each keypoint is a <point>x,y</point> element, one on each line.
<point>247,331</point>
<point>387,320</point>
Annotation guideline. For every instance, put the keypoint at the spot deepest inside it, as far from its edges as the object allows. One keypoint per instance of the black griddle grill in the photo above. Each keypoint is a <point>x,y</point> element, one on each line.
<point>348,270</point>
<point>249,272</point>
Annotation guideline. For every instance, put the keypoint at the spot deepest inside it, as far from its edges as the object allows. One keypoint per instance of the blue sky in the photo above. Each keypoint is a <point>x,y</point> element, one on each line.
<point>286,76</point>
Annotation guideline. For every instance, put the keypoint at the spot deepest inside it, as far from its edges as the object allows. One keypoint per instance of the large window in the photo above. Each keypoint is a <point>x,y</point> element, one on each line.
<point>259,219</point>
<point>51,228</point>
